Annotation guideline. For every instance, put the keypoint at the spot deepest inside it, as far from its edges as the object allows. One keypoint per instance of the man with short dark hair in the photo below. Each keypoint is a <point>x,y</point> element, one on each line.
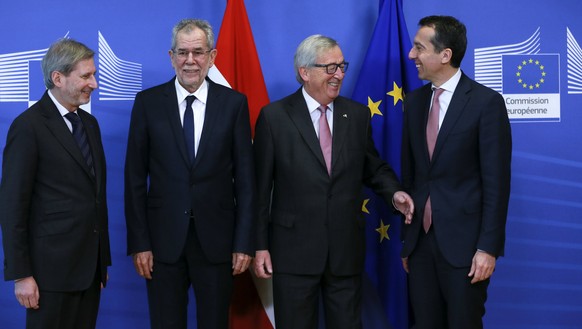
<point>456,164</point>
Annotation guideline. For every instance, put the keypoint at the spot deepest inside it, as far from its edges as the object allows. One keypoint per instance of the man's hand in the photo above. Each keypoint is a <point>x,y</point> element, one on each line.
<point>405,264</point>
<point>482,266</point>
<point>240,263</point>
<point>403,203</point>
<point>26,292</point>
<point>106,280</point>
<point>144,263</point>
<point>263,267</point>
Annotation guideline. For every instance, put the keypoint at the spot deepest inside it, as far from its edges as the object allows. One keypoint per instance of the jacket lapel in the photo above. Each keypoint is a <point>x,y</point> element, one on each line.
<point>93,139</point>
<point>55,123</point>
<point>454,111</point>
<point>421,118</point>
<point>173,113</point>
<point>299,114</point>
<point>341,120</point>
<point>213,106</point>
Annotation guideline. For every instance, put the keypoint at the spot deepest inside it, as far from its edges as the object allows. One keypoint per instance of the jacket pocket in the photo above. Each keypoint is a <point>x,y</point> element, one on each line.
<point>57,218</point>
<point>283,219</point>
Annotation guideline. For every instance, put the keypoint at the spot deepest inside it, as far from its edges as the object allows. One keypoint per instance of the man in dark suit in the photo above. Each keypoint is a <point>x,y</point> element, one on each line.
<point>189,186</point>
<point>311,169</point>
<point>456,165</point>
<point>53,205</point>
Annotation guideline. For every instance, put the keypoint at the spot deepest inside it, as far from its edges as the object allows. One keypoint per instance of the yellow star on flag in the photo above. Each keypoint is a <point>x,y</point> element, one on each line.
<point>383,230</point>
<point>374,107</point>
<point>396,93</point>
<point>364,204</point>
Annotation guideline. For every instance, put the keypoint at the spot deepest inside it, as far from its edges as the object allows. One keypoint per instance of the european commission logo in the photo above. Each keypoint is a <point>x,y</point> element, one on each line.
<point>531,74</point>
<point>528,79</point>
<point>21,77</point>
<point>531,87</point>
<point>119,80</point>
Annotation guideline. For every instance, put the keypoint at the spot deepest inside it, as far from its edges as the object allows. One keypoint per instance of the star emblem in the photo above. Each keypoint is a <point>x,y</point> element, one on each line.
<point>397,93</point>
<point>374,107</point>
<point>383,231</point>
<point>364,204</point>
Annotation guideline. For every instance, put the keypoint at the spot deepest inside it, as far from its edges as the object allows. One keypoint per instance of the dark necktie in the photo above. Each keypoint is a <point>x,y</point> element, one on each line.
<point>432,131</point>
<point>188,126</point>
<point>325,138</point>
<point>81,138</point>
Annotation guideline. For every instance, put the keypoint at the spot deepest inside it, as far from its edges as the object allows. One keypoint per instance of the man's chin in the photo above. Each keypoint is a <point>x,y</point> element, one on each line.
<point>191,84</point>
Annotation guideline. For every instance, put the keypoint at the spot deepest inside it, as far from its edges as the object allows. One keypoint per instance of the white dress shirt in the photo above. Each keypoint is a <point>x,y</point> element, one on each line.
<point>198,107</point>
<point>315,113</point>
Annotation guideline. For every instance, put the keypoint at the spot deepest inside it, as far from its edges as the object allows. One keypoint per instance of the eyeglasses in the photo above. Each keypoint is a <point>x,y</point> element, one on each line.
<point>184,54</point>
<point>332,68</point>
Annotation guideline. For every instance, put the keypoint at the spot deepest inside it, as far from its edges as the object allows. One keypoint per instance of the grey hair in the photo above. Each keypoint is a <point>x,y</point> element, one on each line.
<point>63,56</point>
<point>188,25</point>
<point>308,51</point>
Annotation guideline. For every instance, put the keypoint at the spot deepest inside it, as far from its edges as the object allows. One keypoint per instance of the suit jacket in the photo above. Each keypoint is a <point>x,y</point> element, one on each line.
<point>468,178</point>
<point>311,218</point>
<point>53,210</point>
<point>163,191</point>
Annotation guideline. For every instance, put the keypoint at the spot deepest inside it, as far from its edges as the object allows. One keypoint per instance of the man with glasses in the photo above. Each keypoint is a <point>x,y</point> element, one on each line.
<point>190,186</point>
<point>314,153</point>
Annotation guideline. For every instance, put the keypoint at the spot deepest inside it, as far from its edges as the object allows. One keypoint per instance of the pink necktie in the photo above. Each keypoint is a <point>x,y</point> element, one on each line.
<point>325,138</point>
<point>432,131</point>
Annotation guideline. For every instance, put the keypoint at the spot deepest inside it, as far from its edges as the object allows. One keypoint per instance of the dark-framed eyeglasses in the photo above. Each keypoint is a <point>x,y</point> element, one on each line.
<point>197,54</point>
<point>332,68</point>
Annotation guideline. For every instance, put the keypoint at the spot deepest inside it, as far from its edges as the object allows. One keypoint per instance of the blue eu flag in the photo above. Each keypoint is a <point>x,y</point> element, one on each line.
<point>531,74</point>
<point>386,75</point>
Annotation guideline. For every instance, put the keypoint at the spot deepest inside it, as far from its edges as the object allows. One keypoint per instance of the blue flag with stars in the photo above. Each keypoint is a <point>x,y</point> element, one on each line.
<point>386,75</point>
<point>531,74</point>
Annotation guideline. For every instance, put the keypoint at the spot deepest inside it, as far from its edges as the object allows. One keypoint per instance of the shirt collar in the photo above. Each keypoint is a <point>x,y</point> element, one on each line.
<point>451,84</point>
<point>312,104</point>
<point>201,94</point>
<point>62,110</point>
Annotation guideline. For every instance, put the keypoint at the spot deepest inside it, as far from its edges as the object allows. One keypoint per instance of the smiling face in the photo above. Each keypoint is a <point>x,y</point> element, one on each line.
<point>320,85</point>
<point>75,89</point>
<point>192,69</point>
<point>432,66</point>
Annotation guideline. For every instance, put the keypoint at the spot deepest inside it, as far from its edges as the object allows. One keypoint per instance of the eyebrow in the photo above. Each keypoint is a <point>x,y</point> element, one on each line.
<point>194,49</point>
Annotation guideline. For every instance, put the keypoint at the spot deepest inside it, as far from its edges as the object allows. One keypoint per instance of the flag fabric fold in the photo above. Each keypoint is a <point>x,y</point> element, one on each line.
<point>237,66</point>
<point>238,60</point>
<point>386,75</point>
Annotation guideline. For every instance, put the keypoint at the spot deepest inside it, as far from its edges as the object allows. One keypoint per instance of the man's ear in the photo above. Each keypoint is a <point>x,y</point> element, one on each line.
<point>446,55</point>
<point>56,78</point>
<point>304,73</point>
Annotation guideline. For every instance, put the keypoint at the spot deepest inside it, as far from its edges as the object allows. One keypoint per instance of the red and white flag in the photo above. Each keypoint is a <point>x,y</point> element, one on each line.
<point>237,66</point>
<point>237,60</point>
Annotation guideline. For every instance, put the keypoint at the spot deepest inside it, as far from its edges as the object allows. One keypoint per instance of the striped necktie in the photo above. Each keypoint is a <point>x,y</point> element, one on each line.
<point>81,138</point>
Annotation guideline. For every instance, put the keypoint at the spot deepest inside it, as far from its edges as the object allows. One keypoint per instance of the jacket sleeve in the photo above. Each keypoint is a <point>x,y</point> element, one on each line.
<point>18,175</point>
